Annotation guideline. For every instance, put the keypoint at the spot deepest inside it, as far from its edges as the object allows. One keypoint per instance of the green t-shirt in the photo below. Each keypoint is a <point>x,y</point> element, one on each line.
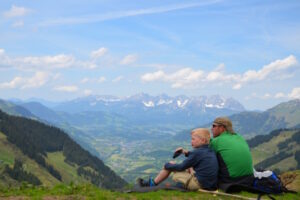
<point>234,155</point>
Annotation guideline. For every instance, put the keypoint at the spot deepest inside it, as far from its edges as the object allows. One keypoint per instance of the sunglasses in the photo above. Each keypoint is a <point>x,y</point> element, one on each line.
<point>214,125</point>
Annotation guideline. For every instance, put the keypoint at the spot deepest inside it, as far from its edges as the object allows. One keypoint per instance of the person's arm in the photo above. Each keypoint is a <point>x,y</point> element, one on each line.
<point>187,163</point>
<point>185,152</point>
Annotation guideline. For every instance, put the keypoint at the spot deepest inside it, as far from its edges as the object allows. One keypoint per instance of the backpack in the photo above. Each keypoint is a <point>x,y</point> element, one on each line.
<point>270,184</point>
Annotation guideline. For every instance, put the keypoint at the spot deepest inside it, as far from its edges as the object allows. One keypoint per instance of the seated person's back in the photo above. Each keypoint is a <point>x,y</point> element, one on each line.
<point>234,156</point>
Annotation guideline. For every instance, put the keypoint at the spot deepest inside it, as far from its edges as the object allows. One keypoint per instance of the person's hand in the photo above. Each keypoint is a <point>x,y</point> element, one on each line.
<point>177,152</point>
<point>180,149</point>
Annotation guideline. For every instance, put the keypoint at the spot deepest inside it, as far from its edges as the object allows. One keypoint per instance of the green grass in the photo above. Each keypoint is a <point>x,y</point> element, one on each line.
<point>68,172</point>
<point>72,191</point>
<point>268,149</point>
<point>8,153</point>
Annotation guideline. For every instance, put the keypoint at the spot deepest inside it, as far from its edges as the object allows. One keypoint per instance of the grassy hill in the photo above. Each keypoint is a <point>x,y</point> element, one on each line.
<point>47,154</point>
<point>277,150</point>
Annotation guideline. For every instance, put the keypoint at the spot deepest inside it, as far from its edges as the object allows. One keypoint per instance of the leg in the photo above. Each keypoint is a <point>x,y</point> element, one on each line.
<point>163,175</point>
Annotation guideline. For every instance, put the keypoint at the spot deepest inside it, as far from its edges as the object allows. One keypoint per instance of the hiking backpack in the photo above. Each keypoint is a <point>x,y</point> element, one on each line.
<point>270,184</point>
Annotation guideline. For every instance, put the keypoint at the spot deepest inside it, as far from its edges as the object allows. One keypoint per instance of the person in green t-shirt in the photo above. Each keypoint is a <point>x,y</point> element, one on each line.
<point>233,153</point>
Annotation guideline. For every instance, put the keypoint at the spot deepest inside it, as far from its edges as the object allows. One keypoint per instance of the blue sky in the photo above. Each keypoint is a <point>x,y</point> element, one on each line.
<point>248,50</point>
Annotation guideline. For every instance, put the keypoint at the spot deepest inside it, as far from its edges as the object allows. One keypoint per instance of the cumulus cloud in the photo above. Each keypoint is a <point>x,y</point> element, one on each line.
<point>98,53</point>
<point>270,69</point>
<point>267,96</point>
<point>188,77</point>
<point>37,62</point>
<point>117,79</point>
<point>67,88</point>
<point>179,79</point>
<point>87,92</point>
<point>16,82</point>
<point>101,79</point>
<point>295,93</point>
<point>2,51</point>
<point>58,61</point>
<point>159,75</point>
<point>16,11</point>
<point>279,95</point>
<point>50,62</point>
<point>36,81</point>
<point>129,59</point>
<point>84,80</point>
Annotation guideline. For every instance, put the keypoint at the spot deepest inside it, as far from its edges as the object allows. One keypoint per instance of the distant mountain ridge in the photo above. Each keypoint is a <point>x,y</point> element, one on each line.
<point>283,115</point>
<point>250,123</point>
<point>145,102</point>
<point>156,110</point>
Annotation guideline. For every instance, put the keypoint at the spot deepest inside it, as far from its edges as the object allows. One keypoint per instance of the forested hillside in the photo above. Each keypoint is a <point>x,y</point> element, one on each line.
<point>41,142</point>
<point>279,150</point>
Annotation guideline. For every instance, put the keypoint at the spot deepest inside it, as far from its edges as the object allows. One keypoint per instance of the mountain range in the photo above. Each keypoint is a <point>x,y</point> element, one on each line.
<point>156,110</point>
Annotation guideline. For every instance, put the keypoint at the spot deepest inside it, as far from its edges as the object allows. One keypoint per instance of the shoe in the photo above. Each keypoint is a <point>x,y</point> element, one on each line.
<point>146,183</point>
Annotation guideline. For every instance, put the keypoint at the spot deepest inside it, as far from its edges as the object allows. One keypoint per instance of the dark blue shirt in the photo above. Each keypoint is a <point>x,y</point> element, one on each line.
<point>205,164</point>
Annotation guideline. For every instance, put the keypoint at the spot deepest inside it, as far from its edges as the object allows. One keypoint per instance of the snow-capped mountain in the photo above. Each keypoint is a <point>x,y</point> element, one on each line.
<point>146,102</point>
<point>162,108</point>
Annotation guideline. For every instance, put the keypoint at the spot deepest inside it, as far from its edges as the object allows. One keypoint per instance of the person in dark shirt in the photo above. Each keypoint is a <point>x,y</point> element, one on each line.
<point>198,170</point>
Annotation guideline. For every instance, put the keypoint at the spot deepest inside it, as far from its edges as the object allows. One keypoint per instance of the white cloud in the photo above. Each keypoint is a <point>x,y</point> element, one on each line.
<point>16,11</point>
<point>37,62</point>
<point>215,75</point>
<point>237,86</point>
<point>56,76</point>
<point>101,79</point>
<point>270,69</point>
<point>188,77</point>
<point>129,59</point>
<point>266,96</point>
<point>117,79</point>
<point>87,92</point>
<point>36,81</point>
<point>153,76</point>
<point>58,61</point>
<point>16,82</point>
<point>2,52</point>
<point>279,95</point>
<point>295,93</point>
<point>67,88</point>
<point>179,79</point>
<point>84,80</point>
<point>185,77</point>
<point>98,53</point>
